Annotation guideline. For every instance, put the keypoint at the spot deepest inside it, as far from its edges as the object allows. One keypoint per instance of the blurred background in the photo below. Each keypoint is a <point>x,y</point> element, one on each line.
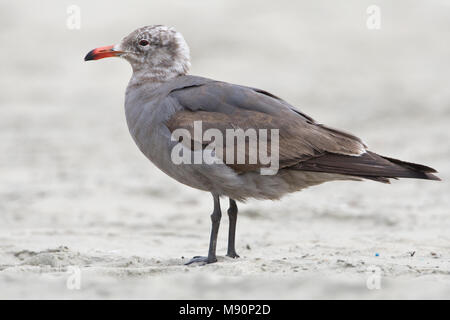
<point>79,201</point>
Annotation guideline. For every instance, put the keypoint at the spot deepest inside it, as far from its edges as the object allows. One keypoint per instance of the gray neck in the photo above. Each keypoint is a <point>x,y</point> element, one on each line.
<point>157,76</point>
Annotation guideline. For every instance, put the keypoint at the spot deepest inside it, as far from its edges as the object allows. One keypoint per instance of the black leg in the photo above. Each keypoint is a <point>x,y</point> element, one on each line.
<point>232,215</point>
<point>215,221</point>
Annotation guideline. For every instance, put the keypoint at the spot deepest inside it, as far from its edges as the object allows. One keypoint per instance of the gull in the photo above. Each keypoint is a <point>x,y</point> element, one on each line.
<point>162,99</point>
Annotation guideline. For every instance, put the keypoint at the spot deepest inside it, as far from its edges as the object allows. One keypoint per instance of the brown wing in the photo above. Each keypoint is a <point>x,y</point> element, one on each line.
<point>369,166</point>
<point>298,140</point>
<point>303,144</point>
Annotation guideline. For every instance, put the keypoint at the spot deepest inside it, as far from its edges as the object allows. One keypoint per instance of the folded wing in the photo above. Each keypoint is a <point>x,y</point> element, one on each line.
<point>304,144</point>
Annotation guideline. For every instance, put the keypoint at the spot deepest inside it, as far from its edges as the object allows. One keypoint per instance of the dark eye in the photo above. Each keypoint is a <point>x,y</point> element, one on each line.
<point>143,43</point>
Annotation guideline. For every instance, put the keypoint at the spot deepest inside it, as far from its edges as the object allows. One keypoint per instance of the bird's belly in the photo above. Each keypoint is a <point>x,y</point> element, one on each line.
<point>155,143</point>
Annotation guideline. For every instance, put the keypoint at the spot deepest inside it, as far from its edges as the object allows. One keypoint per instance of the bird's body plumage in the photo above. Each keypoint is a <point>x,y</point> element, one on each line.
<point>148,110</point>
<point>155,110</point>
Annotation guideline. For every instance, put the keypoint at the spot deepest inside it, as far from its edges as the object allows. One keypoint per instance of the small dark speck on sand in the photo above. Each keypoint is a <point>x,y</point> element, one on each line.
<point>435,255</point>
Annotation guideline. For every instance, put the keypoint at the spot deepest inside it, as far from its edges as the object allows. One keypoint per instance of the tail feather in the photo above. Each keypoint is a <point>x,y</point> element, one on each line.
<point>368,166</point>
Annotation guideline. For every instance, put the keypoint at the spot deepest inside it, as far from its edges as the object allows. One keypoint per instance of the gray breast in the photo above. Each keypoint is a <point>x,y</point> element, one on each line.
<point>147,108</point>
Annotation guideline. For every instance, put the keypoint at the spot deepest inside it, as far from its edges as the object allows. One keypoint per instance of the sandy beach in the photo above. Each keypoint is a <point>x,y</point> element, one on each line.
<point>79,201</point>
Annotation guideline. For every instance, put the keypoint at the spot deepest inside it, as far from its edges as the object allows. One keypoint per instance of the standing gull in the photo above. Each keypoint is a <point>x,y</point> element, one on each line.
<point>161,99</point>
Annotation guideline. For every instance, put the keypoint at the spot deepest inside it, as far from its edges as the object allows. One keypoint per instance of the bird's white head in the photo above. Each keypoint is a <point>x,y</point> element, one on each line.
<point>156,53</point>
